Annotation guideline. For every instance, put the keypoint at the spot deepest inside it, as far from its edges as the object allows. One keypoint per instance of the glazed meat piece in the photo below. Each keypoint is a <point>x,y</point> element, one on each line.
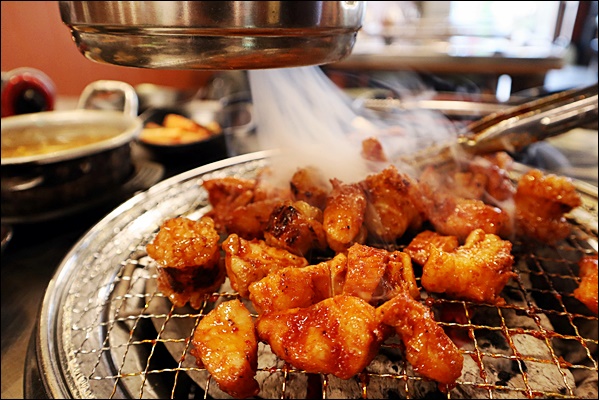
<point>399,277</point>
<point>338,269</point>
<point>428,349</point>
<point>243,206</point>
<point>226,190</point>
<point>249,221</point>
<point>499,159</point>
<point>586,292</point>
<point>182,242</point>
<point>482,178</point>
<point>390,211</point>
<point>365,269</point>
<point>376,275</point>
<point>269,187</point>
<point>372,150</point>
<point>343,216</point>
<point>477,271</point>
<point>418,248</point>
<point>541,200</point>
<point>457,216</point>
<point>309,184</point>
<point>248,261</point>
<point>494,166</point>
<point>452,181</point>
<point>293,287</point>
<point>188,254</point>
<point>469,185</point>
<point>225,195</point>
<point>226,344</point>
<point>338,336</point>
<point>296,227</point>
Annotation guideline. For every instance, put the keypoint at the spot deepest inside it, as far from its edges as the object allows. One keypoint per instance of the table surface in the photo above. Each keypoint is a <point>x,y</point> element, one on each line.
<point>36,249</point>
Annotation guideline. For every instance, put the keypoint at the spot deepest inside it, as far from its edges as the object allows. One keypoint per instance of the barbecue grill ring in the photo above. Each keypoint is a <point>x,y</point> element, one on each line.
<point>93,335</point>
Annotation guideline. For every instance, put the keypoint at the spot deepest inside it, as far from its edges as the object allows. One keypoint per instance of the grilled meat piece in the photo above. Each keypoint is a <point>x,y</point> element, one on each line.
<point>428,349</point>
<point>494,166</point>
<point>586,292</point>
<point>296,226</point>
<point>308,184</point>
<point>453,181</point>
<point>188,255</point>
<point>343,216</point>
<point>541,200</point>
<point>482,178</point>
<point>375,275</point>
<point>476,271</point>
<point>182,242</point>
<point>339,335</point>
<point>458,216</point>
<point>225,195</point>
<point>226,344</point>
<point>248,261</point>
<point>249,221</point>
<point>418,248</point>
<point>390,211</point>
<point>291,287</point>
<point>372,150</point>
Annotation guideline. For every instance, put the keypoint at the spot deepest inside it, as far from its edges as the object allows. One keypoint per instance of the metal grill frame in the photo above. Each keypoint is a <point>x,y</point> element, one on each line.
<point>98,304</point>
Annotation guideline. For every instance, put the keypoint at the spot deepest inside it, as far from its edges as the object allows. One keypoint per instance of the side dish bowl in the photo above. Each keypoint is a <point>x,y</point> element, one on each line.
<point>173,144</point>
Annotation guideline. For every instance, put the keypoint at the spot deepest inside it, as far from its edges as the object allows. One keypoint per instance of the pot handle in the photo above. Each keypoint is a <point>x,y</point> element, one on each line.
<point>109,95</point>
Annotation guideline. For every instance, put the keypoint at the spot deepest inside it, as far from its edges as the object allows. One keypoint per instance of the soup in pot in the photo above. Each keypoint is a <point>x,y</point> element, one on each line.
<point>37,140</point>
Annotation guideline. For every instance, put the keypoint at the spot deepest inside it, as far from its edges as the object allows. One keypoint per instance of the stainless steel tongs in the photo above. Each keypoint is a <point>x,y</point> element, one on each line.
<point>514,128</point>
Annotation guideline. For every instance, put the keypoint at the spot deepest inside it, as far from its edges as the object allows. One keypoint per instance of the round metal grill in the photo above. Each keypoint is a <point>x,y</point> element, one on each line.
<point>107,332</point>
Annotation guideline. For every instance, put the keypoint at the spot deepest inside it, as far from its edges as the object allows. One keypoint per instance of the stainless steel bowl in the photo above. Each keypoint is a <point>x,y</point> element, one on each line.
<point>213,35</point>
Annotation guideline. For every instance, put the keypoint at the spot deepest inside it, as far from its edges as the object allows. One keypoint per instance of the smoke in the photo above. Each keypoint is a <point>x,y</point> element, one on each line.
<point>306,116</point>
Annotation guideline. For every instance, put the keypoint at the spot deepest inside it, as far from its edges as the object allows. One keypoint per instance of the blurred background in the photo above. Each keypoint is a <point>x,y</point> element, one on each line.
<point>451,45</point>
<point>490,46</point>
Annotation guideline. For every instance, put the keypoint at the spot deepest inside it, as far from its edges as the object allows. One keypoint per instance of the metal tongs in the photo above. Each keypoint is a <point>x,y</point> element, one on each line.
<point>514,128</point>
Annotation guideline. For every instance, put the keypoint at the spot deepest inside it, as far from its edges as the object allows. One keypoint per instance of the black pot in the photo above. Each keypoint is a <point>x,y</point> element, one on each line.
<point>36,183</point>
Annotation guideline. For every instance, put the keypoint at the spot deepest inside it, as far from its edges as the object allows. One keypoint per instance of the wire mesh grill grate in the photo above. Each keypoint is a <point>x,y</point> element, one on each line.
<point>118,337</point>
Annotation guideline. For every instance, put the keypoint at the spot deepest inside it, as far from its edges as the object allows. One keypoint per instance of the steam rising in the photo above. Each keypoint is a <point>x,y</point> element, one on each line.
<point>305,115</point>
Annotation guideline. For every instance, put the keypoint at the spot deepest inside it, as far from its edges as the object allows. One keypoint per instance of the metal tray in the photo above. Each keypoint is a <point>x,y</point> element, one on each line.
<point>106,332</point>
